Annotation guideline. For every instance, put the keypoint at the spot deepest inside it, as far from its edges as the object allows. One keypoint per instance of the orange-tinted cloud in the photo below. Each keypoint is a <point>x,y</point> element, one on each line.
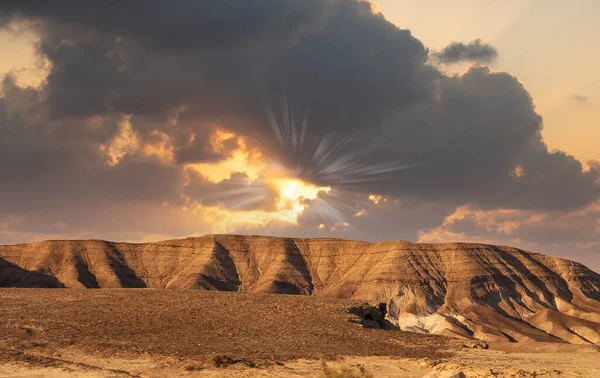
<point>241,158</point>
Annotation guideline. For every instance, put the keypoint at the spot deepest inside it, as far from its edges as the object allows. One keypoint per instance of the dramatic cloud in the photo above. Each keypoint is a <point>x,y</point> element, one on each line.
<point>473,149</point>
<point>178,26</point>
<point>574,234</point>
<point>168,119</point>
<point>474,51</point>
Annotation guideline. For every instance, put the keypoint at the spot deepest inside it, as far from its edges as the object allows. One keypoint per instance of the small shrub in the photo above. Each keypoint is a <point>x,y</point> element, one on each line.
<point>225,360</point>
<point>343,372</point>
<point>221,360</point>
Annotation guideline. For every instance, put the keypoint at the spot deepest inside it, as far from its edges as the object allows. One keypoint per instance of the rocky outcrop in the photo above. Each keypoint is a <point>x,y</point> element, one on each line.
<point>465,290</point>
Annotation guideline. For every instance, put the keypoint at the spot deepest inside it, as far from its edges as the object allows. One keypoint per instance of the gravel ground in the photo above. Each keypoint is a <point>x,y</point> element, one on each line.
<point>193,325</point>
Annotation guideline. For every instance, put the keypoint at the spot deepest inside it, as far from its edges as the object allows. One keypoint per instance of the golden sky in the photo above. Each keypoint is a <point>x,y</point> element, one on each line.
<point>19,57</point>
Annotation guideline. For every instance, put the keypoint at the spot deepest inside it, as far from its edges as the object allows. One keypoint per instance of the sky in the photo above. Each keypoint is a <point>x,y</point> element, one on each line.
<point>426,121</point>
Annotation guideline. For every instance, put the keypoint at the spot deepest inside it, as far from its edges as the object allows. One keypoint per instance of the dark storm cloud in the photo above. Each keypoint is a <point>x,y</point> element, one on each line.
<point>480,127</point>
<point>371,102</point>
<point>178,26</point>
<point>50,164</point>
<point>357,63</point>
<point>357,67</point>
<point>474,51</point>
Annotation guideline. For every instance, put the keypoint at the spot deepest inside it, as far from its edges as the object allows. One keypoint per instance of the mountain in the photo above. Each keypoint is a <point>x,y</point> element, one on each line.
<point>492,293</point>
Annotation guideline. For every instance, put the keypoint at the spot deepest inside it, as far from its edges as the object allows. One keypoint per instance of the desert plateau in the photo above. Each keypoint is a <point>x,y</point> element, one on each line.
<point>286,306</point>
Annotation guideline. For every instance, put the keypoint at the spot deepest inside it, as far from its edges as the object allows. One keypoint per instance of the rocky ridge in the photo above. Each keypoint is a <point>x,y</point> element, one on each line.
<point>491,293</point>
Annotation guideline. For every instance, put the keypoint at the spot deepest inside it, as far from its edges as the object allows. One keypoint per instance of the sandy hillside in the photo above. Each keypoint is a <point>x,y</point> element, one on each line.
<point>158,333</point>
<point>492,293</point>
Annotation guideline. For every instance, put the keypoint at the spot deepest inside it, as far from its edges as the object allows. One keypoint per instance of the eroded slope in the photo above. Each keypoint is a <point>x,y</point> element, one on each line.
<point>457,289</point>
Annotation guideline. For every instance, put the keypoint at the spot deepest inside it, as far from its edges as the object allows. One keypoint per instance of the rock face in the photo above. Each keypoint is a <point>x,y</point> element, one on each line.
<point>457,289</point>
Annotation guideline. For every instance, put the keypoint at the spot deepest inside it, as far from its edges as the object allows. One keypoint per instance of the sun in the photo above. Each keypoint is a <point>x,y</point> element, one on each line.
<point>292,195</point>
<point>295,189</point>
<point>263,180</point>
